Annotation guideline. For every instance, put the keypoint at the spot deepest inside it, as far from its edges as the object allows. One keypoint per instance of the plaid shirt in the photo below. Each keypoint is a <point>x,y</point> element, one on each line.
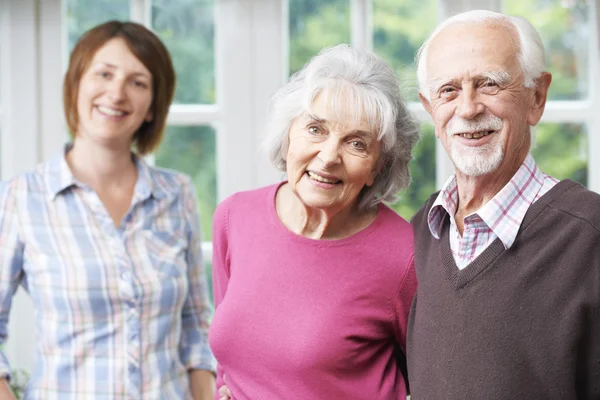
<point>121,313</point>
<point>500,217</point>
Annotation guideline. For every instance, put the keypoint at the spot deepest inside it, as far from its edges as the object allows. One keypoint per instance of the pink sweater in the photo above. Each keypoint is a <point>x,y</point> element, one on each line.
<point>298,318</point>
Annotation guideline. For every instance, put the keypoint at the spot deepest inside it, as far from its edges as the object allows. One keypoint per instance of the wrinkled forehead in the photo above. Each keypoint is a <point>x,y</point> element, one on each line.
<point>344,105</point>
<point>473,47</point>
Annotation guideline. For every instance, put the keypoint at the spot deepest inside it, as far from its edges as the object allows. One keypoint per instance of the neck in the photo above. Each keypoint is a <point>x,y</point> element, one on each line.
<point>99,166</point>
<point>316,223</point>
<point>475,192</point>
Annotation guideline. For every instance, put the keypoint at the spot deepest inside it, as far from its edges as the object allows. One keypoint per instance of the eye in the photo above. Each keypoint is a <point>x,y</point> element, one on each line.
<point>104,74</point>
<point>314,130</point>
<point>140,84</point>
<point>358,145</point>
<point>489,83</point>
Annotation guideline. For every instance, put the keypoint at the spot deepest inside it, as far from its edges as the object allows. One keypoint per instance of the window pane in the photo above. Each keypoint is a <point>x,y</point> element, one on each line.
<point>191,150</point>
<point>188,30</point>
<point>85,14</point>
<point>399,28</point>
<point>565,29</point>
<point>561,150</point>
<point>422,170</point>
<point>315,24</point>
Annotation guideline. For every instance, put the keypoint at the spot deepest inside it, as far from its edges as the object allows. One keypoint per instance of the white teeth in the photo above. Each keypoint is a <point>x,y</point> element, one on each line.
<point>320,178</point>
<point>110,111</point>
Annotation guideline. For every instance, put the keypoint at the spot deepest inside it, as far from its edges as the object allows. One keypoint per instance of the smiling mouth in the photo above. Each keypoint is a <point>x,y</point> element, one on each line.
<point>319,178</point>
<point>110,112</point>
<point>474,135</point>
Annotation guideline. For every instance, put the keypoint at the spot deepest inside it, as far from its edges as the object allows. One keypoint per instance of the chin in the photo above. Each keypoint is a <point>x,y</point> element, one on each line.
<point>477,162</point>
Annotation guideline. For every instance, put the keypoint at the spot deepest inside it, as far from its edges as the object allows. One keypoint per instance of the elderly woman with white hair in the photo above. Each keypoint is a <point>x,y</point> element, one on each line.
<point>313,277</point>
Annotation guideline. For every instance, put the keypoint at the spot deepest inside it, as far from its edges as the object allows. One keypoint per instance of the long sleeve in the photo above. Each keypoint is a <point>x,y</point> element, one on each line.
<point>11,263</point>
<point>196,314</point>
<point>403,301</point>
<point>221,271</point>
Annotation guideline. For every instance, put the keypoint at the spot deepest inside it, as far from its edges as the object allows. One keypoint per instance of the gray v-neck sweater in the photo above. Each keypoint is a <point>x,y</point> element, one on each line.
<point>522,323</point>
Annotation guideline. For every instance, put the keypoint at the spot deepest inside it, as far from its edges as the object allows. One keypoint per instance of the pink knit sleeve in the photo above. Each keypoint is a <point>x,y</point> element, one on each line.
<point>403,301</point>
<point>220,266</point>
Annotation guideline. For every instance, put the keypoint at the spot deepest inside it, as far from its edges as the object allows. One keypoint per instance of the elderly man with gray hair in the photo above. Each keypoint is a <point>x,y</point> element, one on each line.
<point>507,258</point>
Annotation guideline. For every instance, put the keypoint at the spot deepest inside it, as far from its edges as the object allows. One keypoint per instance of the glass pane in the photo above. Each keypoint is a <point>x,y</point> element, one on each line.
<point>191,150</point>
<point>561,150</point>
<point>188,30</point>
<point>85,14</point>
<point>399,28</point>
<point>422,170</point>
<point>315,24</point>
<point>565,28</point>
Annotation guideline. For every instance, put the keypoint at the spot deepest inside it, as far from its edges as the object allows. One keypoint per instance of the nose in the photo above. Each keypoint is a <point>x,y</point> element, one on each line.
<point>469,106</point>
<point>116,90</point>
<point>330,152</point>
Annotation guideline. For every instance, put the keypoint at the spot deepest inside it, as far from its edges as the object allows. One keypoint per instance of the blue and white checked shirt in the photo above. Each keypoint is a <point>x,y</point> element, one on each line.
<point>121,313</point>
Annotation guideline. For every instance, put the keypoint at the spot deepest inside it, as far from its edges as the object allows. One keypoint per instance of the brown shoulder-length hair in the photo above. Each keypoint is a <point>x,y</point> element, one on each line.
<point>147,48</point>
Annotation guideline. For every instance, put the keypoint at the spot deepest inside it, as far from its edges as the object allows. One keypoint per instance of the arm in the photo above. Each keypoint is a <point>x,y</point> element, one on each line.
<point>402,304</point>
<point>5,391</point>
<point>202,383</point>
<point>11,264</point>
<point>403,301</point>
<point>221,266</point>
<point>194,350</point>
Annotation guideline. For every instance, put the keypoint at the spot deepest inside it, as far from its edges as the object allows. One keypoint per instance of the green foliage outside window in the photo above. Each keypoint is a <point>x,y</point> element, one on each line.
<point>561,149</point>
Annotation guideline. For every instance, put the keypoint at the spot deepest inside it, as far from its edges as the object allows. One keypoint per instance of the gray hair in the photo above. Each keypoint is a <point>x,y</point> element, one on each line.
<point>363,80</point>
<point>531,56</point>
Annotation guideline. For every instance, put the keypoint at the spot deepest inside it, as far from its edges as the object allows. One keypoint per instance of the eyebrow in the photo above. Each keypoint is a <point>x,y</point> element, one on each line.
<point>112,66</point>
<point>500,77</point>
<point>363,134</point>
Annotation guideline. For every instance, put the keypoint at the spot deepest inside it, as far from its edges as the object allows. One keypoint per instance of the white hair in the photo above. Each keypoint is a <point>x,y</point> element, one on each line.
<point>361,81</point>
<point>531,55</point>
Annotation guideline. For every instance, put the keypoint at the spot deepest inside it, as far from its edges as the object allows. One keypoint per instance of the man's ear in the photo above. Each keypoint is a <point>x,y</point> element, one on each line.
<point>425,102</point>
<point>542,84</point>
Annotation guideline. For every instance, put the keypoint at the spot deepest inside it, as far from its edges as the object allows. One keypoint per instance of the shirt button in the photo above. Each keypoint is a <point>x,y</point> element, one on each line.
<point>125,275</point>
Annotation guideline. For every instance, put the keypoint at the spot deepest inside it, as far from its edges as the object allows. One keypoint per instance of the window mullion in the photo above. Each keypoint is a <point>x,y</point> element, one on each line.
<point>361,12</point>
<point>141,11</point>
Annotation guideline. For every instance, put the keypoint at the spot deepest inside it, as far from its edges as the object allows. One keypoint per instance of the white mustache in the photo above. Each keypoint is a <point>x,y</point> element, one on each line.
<point>484,123</point>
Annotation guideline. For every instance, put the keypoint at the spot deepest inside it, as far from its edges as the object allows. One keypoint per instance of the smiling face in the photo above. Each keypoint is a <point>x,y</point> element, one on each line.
<point>481,110</point>
<point>330,160</point>
<point>115,95</point>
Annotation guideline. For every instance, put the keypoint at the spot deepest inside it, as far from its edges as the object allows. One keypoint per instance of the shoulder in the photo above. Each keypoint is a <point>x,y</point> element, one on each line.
<point>169,181</point>
<point>243,206</point>
<point>577,203</point>
<point>250,200</point>
<point>30,181</point>
<point>421,215</point>
<point>395,234</point>
<point>393,222</point>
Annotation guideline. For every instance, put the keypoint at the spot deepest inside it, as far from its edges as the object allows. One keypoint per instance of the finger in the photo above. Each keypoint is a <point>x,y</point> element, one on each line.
<point>223,391</point>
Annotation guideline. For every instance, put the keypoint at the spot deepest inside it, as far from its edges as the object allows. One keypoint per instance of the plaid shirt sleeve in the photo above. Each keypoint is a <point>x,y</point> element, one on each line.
<point>197,312</point>
<point>11,263</point>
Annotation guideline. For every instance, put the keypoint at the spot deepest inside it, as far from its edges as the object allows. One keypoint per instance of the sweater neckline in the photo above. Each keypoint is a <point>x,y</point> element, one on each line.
<point>284,231</point>
<point>461,278</point>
